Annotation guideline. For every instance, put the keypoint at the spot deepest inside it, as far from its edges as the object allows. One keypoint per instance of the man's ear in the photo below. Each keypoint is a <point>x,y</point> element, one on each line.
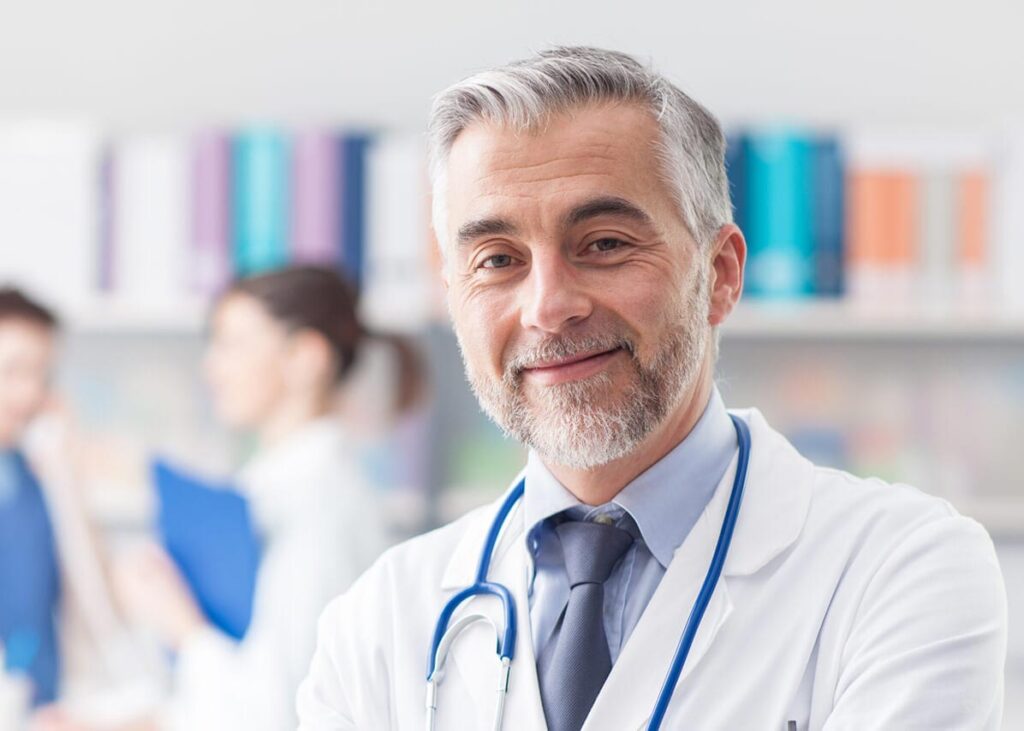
<point>728,260</point>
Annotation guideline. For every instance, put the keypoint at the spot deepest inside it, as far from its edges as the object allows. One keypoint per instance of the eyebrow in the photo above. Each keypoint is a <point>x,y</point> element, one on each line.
<point>606,206</point>
<point>593,208</point>
<point>472,230</point>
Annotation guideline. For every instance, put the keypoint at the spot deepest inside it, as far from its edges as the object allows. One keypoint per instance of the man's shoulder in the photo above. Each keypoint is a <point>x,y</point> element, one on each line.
<point>874,523</point>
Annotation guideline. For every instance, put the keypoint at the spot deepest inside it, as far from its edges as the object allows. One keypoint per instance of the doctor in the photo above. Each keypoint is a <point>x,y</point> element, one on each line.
<point>583,211</point>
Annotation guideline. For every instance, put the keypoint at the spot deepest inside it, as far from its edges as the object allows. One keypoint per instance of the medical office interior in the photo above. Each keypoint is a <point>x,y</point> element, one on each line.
<point>151,153</point>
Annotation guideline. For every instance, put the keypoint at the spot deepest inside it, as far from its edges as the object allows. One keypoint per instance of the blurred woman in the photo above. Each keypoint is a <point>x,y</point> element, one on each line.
<point>281,345</point>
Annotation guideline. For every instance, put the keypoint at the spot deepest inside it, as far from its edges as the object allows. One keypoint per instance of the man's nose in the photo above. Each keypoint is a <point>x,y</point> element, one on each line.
<point>553,295</point>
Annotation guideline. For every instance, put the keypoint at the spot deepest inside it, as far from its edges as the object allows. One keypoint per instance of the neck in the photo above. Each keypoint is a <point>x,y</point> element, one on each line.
<point>600,485</point>
<point>291,416</point>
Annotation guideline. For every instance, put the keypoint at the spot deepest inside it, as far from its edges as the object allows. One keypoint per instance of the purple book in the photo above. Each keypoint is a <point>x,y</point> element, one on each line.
<point>211,213</point>
<point>315,178</point>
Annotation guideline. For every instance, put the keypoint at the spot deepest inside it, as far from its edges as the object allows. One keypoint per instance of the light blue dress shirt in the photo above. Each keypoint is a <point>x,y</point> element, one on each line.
<point>659,508</point>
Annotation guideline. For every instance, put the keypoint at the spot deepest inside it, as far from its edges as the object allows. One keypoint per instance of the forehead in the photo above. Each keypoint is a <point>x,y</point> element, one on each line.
<point>603,149</point>
<point>20,336</point>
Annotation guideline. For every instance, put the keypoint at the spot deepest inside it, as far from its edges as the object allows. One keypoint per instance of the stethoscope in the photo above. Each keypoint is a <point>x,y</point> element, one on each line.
<point>444,635</point>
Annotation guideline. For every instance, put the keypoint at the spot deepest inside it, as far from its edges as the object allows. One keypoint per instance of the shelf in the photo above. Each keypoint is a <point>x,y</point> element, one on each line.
<point>833,320</point>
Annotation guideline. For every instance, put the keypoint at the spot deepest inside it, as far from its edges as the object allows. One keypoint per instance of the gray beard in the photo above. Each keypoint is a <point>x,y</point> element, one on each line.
<point>583,424</point>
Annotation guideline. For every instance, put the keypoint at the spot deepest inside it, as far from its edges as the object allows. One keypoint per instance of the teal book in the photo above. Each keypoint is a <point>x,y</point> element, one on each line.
<point>779,203</point>
<point>261,166</point>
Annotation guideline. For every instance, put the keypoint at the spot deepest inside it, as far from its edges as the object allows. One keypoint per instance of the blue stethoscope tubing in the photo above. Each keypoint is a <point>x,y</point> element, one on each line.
<point>507,646</point>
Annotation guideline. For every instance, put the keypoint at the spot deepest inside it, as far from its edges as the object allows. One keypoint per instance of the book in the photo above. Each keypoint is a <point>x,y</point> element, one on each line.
<point>397,291</point>
<point>261,200</point>
<point>314,200</point>
<point>352,204</point>
<point>151,219</point>
<point>210,268</point>
<point>49,219</point>
<point>882,235</point>
<point>1007,265</point>
<point>827,215</point>
<point>207,529</point>
<point>780,261</point>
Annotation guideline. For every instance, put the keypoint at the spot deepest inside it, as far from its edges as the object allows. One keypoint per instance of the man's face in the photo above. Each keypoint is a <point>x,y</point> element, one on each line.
<point>579,298</point>
<point>26,360</point>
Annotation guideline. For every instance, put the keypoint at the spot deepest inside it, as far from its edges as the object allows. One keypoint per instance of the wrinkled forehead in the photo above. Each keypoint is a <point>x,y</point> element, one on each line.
<point>609,150</point>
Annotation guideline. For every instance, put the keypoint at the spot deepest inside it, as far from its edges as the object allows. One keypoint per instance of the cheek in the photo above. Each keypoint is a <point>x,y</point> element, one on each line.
<point>485,325</point>
<point>648,301</point>
<point>245,387</point>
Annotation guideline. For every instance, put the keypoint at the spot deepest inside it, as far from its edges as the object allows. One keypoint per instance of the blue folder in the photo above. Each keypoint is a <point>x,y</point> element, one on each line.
<point>208,531</point>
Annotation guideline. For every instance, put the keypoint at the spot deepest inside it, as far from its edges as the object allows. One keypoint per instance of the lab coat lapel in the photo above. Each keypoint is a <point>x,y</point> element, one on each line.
<point>776,501</point>
<point>473,663</point>
<point>632,688</point>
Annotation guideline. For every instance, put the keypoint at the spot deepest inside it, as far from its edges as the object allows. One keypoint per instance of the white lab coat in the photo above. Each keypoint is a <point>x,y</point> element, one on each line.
<point>843,604</point>
<point>322,527</point>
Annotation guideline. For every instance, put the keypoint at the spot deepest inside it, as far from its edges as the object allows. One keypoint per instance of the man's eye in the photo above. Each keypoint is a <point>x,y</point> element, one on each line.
<point>604,245</point>
<point>496,261</point>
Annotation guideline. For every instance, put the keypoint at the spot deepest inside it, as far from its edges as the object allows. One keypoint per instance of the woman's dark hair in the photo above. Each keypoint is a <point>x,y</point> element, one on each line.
<point>320,299</point>
<point>15,304</point>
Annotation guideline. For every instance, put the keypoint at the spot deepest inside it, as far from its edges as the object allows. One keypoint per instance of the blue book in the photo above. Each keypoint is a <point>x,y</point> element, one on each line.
<point>780,238</point>
<point>828,216</point>
<point>261,196</point>
<point>208,531</point>
<point>353,205</point>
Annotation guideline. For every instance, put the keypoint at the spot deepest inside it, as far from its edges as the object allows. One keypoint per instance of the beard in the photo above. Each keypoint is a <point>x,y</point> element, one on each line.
<point>586,423</point>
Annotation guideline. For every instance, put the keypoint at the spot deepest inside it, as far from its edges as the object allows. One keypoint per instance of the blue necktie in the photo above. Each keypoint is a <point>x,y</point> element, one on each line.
<point>580,661</point>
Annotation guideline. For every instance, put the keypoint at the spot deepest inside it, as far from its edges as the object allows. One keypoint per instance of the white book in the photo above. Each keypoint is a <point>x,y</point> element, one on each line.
<point>49,210</point>
<point>938,236</point>
<point>397,286</point>
<point>151,219</point>
<point>1007,259</point>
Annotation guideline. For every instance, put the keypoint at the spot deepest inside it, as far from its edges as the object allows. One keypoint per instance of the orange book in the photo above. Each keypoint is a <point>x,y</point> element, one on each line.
<point>973,193</point>
<point>882,233</point>
<point>972,254</point>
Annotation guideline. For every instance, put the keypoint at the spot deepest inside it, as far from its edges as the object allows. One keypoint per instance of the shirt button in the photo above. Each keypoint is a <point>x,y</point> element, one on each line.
<point>604,519</point>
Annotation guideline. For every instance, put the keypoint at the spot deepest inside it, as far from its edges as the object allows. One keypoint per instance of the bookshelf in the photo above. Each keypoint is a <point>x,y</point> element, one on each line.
<point>834,320</point>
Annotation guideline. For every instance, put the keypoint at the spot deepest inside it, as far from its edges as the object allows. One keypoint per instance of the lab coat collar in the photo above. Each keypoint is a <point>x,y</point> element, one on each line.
<point>776,500</point>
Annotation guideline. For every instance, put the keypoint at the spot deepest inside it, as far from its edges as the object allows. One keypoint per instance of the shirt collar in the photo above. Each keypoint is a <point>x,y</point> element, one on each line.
<point>666,500</point>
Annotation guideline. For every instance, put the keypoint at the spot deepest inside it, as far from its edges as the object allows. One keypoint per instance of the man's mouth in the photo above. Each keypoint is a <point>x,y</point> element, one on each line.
<point>570,368</point>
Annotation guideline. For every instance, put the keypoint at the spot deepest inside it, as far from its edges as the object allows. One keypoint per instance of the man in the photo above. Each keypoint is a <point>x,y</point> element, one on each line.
<point>589,254</point>
<point>29,573</point>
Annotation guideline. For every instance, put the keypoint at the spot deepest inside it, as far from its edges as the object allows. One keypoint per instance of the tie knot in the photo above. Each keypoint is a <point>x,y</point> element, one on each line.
<point>591,550</point>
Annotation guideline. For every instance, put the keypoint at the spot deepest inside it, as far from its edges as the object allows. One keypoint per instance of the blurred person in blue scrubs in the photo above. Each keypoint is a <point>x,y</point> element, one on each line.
<point>30,585</point>
<point>282,347</point>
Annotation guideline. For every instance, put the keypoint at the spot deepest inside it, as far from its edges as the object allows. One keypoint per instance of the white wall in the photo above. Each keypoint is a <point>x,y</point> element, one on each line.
<point>133,63</point>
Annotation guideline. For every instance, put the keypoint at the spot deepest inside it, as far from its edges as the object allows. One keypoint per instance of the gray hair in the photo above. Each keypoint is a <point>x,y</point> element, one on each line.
<point>524,94</point>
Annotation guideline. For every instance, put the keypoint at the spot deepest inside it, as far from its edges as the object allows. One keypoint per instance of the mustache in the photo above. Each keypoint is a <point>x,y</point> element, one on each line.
<point>558,347</point>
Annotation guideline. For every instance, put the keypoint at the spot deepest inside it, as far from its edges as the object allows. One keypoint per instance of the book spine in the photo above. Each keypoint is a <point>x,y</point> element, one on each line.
<point>827,192</point>
<point>354,149</point>
<point>314,230</point>
<point>973,224</point>
<point>151,218</point>
<point>781,259</point>
<point>211,205</point>
<point>260,171</point>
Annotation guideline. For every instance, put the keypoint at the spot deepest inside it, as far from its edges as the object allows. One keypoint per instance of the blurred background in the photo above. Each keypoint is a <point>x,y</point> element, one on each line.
<point>150,153</point>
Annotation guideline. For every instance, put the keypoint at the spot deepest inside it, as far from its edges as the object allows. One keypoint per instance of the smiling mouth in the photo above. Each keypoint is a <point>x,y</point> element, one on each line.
<point>573,368</point>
